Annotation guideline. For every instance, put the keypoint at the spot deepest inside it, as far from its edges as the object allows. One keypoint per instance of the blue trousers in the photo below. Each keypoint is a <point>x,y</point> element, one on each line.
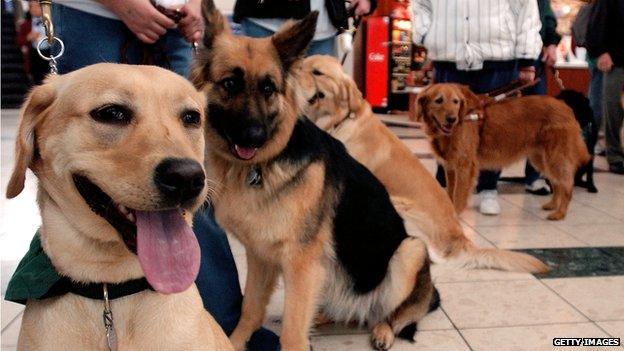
<point>90,39</point>
<point>481,81</point>
<point>317,47</point>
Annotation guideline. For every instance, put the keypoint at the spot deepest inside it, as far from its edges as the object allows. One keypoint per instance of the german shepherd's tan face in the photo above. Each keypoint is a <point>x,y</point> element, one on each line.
<point>250,86</point>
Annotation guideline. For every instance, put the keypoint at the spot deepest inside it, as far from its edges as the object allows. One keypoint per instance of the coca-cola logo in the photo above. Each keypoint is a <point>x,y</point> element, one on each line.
<point>376,57</point>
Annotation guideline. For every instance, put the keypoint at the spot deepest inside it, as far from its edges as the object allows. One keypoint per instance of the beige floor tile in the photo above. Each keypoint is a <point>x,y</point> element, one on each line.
<point>475,237</point>
<point>504,303</point>
<point>531,338</point>
<point>599,298</point>
<point>528,236</point>
<point>442,340</point>
<point>446,273</point>
<point>510,215</point>
<point>613,328</point>
<point>10,310</point>
<point>596,234</point>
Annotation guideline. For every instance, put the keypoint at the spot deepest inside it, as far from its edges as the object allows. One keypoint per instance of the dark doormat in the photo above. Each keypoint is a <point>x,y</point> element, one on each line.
<point>580,261</point>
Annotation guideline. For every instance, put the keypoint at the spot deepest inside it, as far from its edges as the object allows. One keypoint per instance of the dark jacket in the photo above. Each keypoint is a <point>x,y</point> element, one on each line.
<point>296,9</point>
<point>606,30</point>
<point>549,24</point>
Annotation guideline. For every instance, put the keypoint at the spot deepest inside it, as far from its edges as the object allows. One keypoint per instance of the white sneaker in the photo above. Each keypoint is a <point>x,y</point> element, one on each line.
<point>489,203</point>
<point>538,187</point>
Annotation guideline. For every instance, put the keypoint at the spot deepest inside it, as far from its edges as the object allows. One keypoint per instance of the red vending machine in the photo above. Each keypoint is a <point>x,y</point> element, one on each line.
<point>388,56</point>
<point>376,62</point>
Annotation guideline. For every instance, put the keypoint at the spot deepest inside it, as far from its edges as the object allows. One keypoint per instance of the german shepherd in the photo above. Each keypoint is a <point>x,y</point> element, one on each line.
<point>296,199</point>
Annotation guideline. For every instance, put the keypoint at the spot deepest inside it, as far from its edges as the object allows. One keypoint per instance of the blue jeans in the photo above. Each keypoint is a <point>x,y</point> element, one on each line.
<point>595,93</point>
<point>90,39</point>
<point>317,47</point>
<point>481,81</point>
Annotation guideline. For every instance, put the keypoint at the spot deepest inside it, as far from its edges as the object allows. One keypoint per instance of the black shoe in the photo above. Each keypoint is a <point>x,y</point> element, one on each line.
<point>617,168</point>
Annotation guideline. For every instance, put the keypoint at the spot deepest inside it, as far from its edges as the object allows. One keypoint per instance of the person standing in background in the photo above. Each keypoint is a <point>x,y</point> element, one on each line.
<point>605,42</point>
<point>135,31</point>
<point>263,18</point>
<point>534,183</point>
<point>484,44</point>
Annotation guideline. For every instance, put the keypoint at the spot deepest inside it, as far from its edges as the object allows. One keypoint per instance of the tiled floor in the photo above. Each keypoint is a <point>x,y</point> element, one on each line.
<point>481,309</point>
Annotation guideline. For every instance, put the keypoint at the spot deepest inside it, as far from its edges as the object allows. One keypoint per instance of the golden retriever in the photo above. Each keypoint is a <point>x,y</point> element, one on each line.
<point>467,134</point>
<point>336,105</point>
<point>118,151</point>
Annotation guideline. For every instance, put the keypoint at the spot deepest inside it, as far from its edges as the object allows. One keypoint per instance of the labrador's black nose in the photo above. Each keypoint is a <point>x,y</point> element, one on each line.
<point>179,179</point>
<point>451,119</point>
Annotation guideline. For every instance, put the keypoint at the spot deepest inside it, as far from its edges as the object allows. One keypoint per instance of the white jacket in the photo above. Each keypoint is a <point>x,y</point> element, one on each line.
<point>469,32</point>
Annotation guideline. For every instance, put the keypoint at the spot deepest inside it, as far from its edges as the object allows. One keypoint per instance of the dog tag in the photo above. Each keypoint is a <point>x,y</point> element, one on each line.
<point>254,177</point>
<point>107,315</point>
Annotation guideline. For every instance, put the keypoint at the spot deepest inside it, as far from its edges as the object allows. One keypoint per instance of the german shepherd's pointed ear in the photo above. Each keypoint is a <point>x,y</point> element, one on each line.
<point>214,23</point>
<point>33,110</point>
<point>469,100</point>
<point>292,40</point>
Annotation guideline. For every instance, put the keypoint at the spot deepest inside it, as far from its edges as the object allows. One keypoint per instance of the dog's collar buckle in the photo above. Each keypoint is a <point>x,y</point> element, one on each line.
<point>254,177</point>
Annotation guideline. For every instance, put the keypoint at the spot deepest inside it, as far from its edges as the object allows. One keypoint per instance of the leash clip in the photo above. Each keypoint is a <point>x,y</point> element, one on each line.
<point>107,315</point>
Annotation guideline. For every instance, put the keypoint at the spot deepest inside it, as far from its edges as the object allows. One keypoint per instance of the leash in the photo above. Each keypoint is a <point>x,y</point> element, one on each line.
<point>354,31</point>
<point>50,38</point>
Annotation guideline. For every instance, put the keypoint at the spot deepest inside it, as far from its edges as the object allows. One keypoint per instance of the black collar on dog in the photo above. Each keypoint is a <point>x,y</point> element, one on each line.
<point>95,291</point>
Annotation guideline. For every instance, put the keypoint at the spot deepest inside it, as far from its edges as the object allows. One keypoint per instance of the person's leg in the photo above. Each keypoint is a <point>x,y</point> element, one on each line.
<point>595,94</point>
<point>323,47</point>
<point>218,282</point>
<point>253,30</point>
<point>174,53</point>
<point>534,182</point>
<point>482,82</point>
<point>89,39</point>
<point>612,84</point>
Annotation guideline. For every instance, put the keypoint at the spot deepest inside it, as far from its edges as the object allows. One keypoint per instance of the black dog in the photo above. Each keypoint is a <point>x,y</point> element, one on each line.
<point>585,117</point>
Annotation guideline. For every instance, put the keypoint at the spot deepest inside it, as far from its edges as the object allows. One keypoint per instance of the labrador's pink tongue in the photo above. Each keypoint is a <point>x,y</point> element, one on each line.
<point>168,250</point>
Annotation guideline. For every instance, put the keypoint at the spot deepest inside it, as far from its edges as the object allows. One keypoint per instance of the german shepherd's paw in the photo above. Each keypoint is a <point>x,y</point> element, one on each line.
<point>382,337</point>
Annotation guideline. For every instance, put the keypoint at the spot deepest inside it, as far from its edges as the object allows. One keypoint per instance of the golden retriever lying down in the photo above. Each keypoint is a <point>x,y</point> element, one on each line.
<point>118,151</point>
<point>336,105</point>
<point>466,137</point>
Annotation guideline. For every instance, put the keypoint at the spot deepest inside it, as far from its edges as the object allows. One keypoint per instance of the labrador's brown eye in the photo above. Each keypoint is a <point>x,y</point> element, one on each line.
<point>456,101</point>
<point>438,100</point>
<point>112,114</point>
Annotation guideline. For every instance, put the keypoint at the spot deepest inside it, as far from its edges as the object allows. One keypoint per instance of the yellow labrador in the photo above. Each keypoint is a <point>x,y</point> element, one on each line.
<point>118,151</point>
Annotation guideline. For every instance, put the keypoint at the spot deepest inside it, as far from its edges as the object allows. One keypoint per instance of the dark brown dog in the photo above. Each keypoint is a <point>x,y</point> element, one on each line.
<point>466,137</point>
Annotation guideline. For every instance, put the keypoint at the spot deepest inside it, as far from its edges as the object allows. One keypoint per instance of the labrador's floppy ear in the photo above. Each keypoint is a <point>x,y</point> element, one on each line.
<point>292,40</point>
<point>354,96</point>
<point>38,100</point>
<point>469,100</point>
<point>214,23</point>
